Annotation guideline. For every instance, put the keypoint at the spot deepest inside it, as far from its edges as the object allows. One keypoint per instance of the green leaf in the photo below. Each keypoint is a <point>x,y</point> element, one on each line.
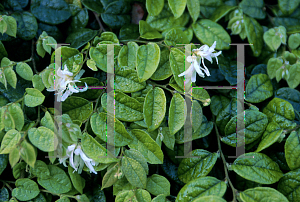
<point>271,135</point>
<point>25,190</point>
<point>127,55</point>
<point>4,195</point>
<point>253,8</point>
<point>11,25</point>
<point>290,95</point>
<point>254,33</point>
<point>40,170</point>
<point>203,186</point>
<point>122,185</point>
<point>3,162</point>
<point>129,31</point>
<point>287,6</point>
<point>55,13</point>
<point>27,25</point>
<point>17,115</point>
<point>177,113</point>
<point>127,108</point>
<point>80,19</point>
<point>3,25</point>
<point>199,165</point>
<point>226,114</point>
<point>163,70</point>
<point>194,9</point>
<point>218,102</point>
<point>177,7</point>
<point>259,169</point>
<point>28,153</point>
<point>262,194</point>
<point>24,70</point>
<point>10,139</point>
<point>255,125</point>
<point>77,181</point>
<point>47,121</point>
<point>208,32</point>
<point>116,14</point>
<point>292,149</point>
<point>159,198</point>
<point>43,138</point>
<point>96,151</point>
<point>281,112</point>
<point>148,57</point>
<point>176,36</point>
<point>111,176</point>
<point>154,7</point>
<point>294,76</point>
<point>212,198</point>
<point>136,155</point>
<point>10,76</point>
<point>220,12</point>
<point>209,7</point>
<point>63,199</point>
<point>126,80</point>
<point>259,88</point>
<point>177,63</point>
<point>165,19</point>
<point>289,185</point>
<point>147,146</point>
<point>77,108</point>
<point>99,127</point>
<point>3,52</point>
<point>80,37</point>
<point>134,172</point>
<point>273,37</point>
<point>58,183</point>
<point>33,97</point>
<point>14,157</point>
<point>147,32</point>
<point>294,40</point>
<point>139,195</point>
<point>93,5</point>
<point>154,108</point>
<point>273,65</point>
<point>7,120</point>
<point>157,184</point>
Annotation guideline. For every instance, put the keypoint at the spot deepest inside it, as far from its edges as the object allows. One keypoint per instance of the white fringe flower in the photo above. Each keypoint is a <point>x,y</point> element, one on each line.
<point>77,159</point>
<point>64,84</point>
<point>204,52</point>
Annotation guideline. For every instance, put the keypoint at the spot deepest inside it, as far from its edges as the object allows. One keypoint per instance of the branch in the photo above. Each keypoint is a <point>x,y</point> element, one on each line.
<point>99,22</point>
<point>224,162</point>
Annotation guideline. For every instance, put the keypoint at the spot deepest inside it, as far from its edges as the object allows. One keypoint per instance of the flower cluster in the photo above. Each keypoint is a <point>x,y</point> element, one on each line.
<point>64,84</point>
<point>204,52</point>
<point>77,159</point>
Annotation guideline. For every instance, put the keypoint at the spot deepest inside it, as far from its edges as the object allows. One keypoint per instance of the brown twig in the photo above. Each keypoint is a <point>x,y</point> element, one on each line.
<point>224,163</point>
<point>99,22</point>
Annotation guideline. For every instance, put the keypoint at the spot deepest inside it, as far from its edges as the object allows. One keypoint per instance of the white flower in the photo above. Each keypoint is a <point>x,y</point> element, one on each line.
<point>190,73</point>
<point>207,52</point>
<point>65,85</point>
<point>204,52</point>
<point>77,159</point>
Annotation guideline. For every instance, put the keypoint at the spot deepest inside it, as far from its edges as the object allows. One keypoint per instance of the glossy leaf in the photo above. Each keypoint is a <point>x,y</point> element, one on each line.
<point>281,112</point>
<point>254,33</point>
<point>43,138</point>
<point>25,190</point>
<point>197,166</point>
<point>77,108</point>
<point>148,57</point>
<point>199,187</point>
<point>177,113</point>
<point>24,70</point>
<point>177,7</point>
<point>253,8</point>
<point>154,7</point>
<point>262,194</point>
<point>259,169</point>
<point>292,149</point>
<point>208,32</point>
<point>147,146</point>
<point>154,108</point>
<point>33,97</point>
<point>157,184</point>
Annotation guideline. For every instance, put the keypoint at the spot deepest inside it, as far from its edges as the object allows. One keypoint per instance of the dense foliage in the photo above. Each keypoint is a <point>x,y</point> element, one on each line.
<point>48,157</point>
